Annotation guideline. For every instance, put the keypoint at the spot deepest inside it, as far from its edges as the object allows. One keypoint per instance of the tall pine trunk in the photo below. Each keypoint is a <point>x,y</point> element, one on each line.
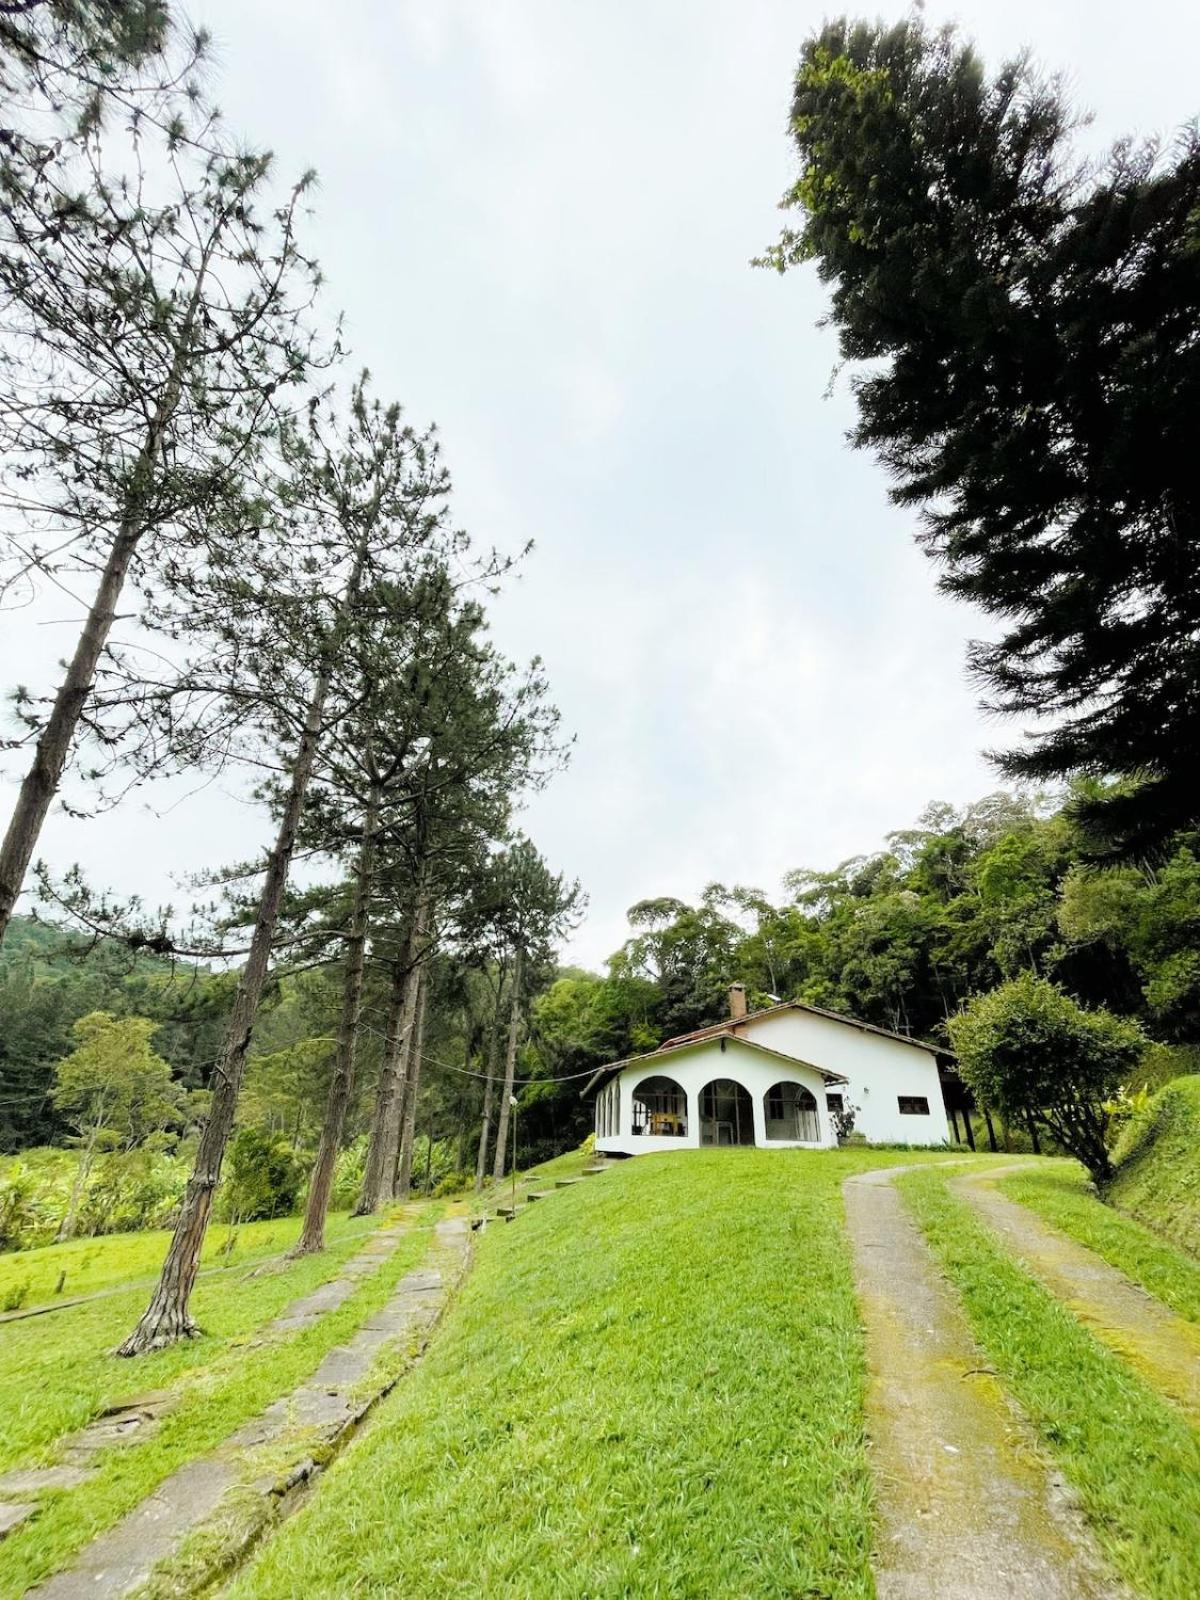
<point>341,1086</point>
<point>489,1089</point>
<point>510,1070</point>
<point>374,1171</point>
<point>168,1318</point>
<point>412,1085</point>
<point>384,1140</point>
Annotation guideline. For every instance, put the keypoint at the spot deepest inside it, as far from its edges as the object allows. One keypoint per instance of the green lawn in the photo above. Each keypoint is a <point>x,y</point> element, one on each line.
<point>85,1265</point>
<point>1133,1461</point>
<point>56,1374</point>
<point>650,1384</point>
<point>1062,1194</point>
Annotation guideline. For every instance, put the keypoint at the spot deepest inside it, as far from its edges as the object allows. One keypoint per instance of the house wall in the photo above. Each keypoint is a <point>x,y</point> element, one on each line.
<point>879,1070</point>
<point>691,1070</point>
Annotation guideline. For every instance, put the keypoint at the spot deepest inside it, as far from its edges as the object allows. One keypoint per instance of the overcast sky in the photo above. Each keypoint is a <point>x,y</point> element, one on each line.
<point>538,216</point>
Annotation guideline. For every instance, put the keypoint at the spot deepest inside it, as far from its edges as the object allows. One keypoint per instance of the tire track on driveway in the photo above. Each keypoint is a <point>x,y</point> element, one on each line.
<point>967,1509</point>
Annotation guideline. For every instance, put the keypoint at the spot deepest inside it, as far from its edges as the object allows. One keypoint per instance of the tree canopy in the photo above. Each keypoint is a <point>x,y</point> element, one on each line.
<point>1022,327</point>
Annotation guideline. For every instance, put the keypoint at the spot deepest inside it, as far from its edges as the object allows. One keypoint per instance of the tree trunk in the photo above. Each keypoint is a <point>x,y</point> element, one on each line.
<point>341,1085</point>
<point>510,1069</point>
<point>377,1168</point>
<point>991,1132</point>
<point>489,1091</point>
<point>86,1156</point>
<point>167,1317</point>
<point>384,1140</point>
<point>41,782</point>
<point>428,1184</point>
<point>412,1084</point>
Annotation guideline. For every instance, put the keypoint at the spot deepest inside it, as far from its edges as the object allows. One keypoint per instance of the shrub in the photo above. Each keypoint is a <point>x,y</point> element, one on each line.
<point>1027,1048</point>
<point>134,1189</point>
<point>348,1176</point>
<point>21,1219</point>
<point>265,1177</point>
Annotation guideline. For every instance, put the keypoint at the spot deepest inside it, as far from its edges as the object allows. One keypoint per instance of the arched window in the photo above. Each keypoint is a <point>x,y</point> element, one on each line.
<point>791,1113</point>
<point>726,1113</point>
<point>660,1108</point>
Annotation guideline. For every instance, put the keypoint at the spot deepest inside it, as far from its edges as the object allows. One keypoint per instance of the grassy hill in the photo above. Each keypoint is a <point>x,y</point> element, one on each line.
<point>651,1384</point>
<point>1158,1165</point>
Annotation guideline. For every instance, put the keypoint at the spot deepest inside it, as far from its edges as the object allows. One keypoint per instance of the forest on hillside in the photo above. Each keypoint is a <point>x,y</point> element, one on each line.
<point>904,937</point>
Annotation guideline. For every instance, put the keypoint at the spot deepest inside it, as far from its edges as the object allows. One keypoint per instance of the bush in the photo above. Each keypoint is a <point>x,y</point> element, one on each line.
<point>265,1177</point>
<point>22,1220</point>
<point>1027,1048</point>
<point>133,1189</point>
<point>348,1176</point>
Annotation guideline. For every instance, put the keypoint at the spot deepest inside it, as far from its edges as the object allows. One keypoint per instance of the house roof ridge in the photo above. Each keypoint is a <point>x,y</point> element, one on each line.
<point>730,1025</point>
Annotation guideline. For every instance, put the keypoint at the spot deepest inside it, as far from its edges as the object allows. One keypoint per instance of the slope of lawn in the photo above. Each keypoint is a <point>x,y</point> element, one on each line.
<point>57,1373</point>
<point>82,1266</point>
<point>1158,1164</point>
<point>1132,1459</point>
<point>1060,1192</point>
<point>651,1383</point>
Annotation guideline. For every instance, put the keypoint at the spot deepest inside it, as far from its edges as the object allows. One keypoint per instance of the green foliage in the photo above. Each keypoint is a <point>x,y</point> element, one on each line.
<point>49,979</point>
<point>113,1084</point>
<point>265,1177</point>
<point>1027,1047</point>
<point>1024,324</point>
<point>1158,1164</point>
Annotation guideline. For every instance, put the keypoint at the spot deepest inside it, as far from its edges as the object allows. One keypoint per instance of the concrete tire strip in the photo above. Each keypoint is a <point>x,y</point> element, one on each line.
<point>297,1435</point>
<point>967,1507</point>
<point>1164,1349</point>
<point>130,1421</point>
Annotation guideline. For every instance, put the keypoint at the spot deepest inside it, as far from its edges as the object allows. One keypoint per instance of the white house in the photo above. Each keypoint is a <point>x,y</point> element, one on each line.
<point>771,1078</point>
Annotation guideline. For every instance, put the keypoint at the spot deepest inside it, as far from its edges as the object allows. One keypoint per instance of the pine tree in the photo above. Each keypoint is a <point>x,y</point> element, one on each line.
<point>1031,379</point>
<point>365,497</point>
<point>153,315</point>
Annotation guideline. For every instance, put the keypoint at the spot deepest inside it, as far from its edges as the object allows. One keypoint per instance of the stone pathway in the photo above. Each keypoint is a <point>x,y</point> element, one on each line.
<point>283,1448</point>
<point>1162,1347</point>
<point>967,1508</point>
<point>134,1419</point>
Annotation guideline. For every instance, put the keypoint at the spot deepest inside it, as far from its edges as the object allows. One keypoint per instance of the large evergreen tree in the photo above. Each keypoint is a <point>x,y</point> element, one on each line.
<point>1031,378</point>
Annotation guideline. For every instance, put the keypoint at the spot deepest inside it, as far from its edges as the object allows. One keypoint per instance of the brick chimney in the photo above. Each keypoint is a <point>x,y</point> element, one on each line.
<point>737,1001</point>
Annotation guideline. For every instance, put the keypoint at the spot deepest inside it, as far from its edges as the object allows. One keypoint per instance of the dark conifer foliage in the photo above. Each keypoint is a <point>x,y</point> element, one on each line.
<point>1028,324</point>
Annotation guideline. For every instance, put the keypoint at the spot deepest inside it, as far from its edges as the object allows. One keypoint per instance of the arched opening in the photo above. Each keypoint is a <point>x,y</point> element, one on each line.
<point>791,1113</point>
<point>726,1113</point>
<point>660,1108</point>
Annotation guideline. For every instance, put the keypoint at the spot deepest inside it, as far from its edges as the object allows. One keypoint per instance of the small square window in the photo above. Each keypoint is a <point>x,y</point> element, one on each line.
<point>913,1105</point>
<point>835,1102</point>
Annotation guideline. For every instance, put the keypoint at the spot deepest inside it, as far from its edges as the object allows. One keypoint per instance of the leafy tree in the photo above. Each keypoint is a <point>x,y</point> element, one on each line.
<point>1028,1049</point>
<point>1029,375</point>
<point>113,1090</point>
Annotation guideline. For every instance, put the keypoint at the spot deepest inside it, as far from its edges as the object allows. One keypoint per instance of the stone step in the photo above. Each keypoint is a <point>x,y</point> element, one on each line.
<point>566,1183</point>
<point>539,1194</point>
